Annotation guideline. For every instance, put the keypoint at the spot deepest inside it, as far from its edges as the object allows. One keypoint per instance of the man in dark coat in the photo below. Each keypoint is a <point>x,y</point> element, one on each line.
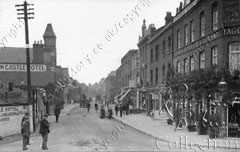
<point>25,130</point>
<point>116,109</point>
<point>44,130</point>
<point>121,110</point>
<point>88,106</point>
<point>57,112</point>
<point>27,116</point>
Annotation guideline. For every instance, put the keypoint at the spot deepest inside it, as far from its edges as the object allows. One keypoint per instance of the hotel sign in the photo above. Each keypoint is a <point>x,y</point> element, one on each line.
<point>22,68</point>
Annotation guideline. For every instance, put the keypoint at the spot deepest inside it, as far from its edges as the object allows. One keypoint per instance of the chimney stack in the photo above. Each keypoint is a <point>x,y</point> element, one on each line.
<point>168,18</point>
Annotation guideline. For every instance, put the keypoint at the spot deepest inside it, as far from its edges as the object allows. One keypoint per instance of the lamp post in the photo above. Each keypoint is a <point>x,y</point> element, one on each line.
<point>222,87</point>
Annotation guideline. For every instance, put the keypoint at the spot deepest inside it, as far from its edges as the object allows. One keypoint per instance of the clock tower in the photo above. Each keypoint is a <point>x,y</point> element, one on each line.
<point>49,37</point>
<point>50,54</point>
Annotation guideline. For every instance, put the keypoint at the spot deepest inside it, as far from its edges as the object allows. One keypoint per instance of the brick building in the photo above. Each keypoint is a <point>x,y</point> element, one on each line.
<point>188,56</point>
<point>143,47</point>
<point>126,78</point>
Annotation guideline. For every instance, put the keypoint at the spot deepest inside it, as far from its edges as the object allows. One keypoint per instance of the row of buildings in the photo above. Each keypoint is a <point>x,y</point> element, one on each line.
<point>50,82</point>
<point>192,62</point>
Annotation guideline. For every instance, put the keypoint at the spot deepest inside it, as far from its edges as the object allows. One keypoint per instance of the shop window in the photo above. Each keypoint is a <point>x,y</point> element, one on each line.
<point>234,56</point>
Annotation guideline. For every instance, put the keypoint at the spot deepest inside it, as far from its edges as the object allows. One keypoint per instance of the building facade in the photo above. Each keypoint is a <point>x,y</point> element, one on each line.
<point>194,60</point>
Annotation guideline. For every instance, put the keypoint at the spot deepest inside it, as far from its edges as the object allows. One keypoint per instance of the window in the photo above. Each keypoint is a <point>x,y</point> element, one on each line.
<point>234,56</point>
<point>202,24</point>
<point>214,16</point>
<point>202,60</point>
<point>214,55</point>
<point>192,38</point>
<point>151,58</point>
<point>156,53</point>
<point>164,47</point>
<point>186,34</point>
<point>169,43</point>
<point>163,72</point>
<point>186,69</point>
<point>178,39</point>
<point>151,76</point>
<point>156,76</point>
<point>178,67</point>
<point>192,64</point>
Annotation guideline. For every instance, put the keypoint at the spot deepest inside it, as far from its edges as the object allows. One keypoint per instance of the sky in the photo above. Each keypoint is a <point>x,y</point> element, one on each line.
<point>92,35</point>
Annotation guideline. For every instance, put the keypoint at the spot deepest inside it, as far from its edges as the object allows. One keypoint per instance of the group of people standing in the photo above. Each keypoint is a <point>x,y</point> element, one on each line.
<point>123,109</point>
<point>44,129</point>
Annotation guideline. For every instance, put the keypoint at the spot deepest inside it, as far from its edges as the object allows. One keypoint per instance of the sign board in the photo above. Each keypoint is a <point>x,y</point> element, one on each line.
<point>10,119</point>
<point>22,67</point>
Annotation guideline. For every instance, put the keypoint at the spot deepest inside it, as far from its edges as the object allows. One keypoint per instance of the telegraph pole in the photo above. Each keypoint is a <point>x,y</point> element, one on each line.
<point>26,15</point>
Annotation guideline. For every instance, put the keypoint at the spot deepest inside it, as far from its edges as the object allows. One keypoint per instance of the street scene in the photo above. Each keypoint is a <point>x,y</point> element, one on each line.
<point>132,75</point>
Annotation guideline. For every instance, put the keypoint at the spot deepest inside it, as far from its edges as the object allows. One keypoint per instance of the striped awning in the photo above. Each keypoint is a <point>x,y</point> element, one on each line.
<point>125,94</point>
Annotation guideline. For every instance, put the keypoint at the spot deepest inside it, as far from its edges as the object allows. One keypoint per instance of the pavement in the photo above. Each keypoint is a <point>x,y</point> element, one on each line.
<point>64,112</point>
<point>182,138</point>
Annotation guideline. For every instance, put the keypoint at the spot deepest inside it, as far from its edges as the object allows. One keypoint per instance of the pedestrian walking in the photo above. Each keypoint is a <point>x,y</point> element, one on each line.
<point>25,130</point>
<point>88,106</point>
<point>96,107</point>
<point>44,131</point>
<point>27,116</point>
<point>116,109</point>
<point>57,112</point>
<point>121,110</point>
<point>102,112</point>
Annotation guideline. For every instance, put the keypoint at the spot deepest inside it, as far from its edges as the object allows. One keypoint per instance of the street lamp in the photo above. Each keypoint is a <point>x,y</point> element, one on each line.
<point>222,87</point>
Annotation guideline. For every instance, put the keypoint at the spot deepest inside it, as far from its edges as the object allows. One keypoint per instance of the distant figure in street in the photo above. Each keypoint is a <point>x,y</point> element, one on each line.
<point>25,130</point>
<point>102,112</point>
<point>121,110</point>
<point>44,131</point>
<point>27,116</point>
<point>88,106</point>
<point>116,109</point>
<point>109,112</point>
<point>57,112</point>
<point>130,109</point>
<point>96,107</point>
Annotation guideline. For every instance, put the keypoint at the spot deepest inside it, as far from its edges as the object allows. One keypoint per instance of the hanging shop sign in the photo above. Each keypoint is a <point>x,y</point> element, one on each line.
<point>22,67</point>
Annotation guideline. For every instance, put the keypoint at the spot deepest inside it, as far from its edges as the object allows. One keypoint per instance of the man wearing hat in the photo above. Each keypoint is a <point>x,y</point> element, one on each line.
<point>28,123</point>
<point>25,130</point>
<point>44,130</point>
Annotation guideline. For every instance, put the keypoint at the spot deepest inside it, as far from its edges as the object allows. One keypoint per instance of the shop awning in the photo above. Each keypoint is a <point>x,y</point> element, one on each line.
<point>118,96</point>
<point>125,94</point>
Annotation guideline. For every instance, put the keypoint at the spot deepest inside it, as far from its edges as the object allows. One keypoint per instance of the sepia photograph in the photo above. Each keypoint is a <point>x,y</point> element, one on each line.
<point>120,75</point>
